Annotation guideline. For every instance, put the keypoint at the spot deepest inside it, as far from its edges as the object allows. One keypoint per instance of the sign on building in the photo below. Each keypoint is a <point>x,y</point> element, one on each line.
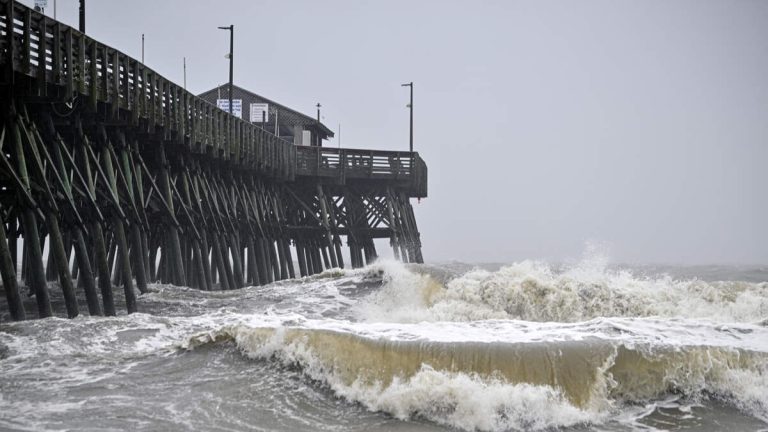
<point>259,112</point>
<point>237,106</point>
<point>42,4</point>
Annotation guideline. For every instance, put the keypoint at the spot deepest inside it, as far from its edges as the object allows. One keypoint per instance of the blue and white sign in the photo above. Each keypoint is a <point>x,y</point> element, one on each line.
<point>237,106</point>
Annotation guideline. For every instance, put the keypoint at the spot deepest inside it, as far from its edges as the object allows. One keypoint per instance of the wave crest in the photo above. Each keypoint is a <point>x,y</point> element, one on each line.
<point>496,385</point>
<point>535,291</point>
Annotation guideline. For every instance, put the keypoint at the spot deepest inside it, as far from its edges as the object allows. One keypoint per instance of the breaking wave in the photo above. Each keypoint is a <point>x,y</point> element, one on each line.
<point>536,291</point>
<point>528,347</point>
<point>469,376</point>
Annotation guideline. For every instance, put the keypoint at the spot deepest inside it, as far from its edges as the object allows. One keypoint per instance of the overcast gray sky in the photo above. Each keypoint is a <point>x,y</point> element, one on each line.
<point>638,125</point>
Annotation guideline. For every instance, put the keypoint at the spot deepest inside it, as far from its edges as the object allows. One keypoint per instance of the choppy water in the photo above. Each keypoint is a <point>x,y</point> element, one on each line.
<point>526,346</point>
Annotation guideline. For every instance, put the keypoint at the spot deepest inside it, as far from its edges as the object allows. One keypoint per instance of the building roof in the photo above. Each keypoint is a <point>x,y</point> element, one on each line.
<point>287,115</point>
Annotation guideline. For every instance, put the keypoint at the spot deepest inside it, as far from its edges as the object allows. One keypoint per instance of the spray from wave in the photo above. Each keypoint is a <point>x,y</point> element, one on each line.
<point>536,291</point>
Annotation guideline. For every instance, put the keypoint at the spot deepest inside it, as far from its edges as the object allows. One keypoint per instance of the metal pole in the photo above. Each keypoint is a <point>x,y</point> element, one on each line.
<point>185,73</point>
<point>82,16</point>
<point>231,49</point>
<point>142,47</point>
<point>317,134</point>
<point>411,106</point>
<point>54,9</point>
<point>231,29</point>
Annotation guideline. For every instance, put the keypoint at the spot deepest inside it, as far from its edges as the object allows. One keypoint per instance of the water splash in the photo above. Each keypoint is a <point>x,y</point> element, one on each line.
<point>536,291</point>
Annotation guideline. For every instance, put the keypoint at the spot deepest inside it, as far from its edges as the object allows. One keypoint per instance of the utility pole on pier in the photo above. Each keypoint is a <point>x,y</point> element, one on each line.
<point>231,29</point>
<point>317,138</point>
<point>82,16</point>
<point>410,106</point>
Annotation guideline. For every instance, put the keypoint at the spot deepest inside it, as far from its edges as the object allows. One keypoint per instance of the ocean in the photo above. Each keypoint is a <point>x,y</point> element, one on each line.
<point>394,347</point>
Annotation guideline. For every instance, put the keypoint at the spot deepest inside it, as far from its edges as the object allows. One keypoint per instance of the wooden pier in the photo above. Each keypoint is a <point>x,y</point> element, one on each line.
<point>112,177</point>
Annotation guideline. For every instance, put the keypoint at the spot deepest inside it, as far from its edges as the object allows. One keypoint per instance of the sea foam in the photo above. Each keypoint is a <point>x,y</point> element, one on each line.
<point>535,291</point>
<point>553,375</point>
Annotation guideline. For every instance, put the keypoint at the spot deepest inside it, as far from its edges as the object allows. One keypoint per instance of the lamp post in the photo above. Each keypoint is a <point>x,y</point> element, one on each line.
<point>231,29</point>
<point>82,16</point>
<point>410,106</point>
<point>318,140</point>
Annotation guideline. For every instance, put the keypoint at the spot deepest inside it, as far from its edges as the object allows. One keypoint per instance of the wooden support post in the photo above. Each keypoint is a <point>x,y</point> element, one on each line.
<point>153,270</point>
<point>410,219</point>
<point>326,224</point>
<point>282,259</point>
<point>227,265</point>
<point>336,238</point>
<point>200,245</point>
<point>62,264</point>
<point>403,238</point>
<point>8,271</point>
<point>95,230</point>
<point>393,229</point>
<point>197,253</point>
<point>307,247</point>
<point>102,267</point>
<point>13,237</point>
<point>219,262</point>
<point>324,250</point>
<point>162,265</point>
<point>124,263</point>
<point>265,266</point>
<point>204,249</point>
<point>86,274</point>
<point>415,233</point>
<point>82,258</point>
<point>237,267</point>
<point>175,244</point>
<point>337,246</point>
<point>149,265</point>
<point>253,266</point>
<point>317,248</point>
<point>312,258</point>
<point>50,264</point>
<point>36,278</point>
<point>287,254</point>
<point>273,259</point>
<point>138,258</point>
<point>137,250</point>
<point>74,269</point>
<point>301,258</point>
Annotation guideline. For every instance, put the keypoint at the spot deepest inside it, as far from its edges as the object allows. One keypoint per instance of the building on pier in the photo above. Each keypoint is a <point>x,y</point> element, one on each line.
<point>286,123</point>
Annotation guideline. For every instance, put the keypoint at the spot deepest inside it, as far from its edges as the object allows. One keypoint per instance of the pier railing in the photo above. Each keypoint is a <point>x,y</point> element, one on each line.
<point>67,65</point>
<point>345,163</point>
